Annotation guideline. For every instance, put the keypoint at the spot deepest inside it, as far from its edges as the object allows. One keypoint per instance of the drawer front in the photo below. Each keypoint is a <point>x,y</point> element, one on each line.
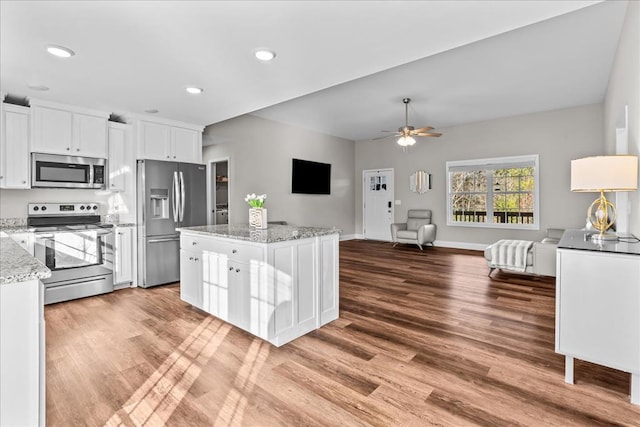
<point>234,251</point>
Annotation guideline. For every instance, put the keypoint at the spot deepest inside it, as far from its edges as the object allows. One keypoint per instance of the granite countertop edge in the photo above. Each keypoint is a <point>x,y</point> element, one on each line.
<point>273,234</point>
<point>17,265</point>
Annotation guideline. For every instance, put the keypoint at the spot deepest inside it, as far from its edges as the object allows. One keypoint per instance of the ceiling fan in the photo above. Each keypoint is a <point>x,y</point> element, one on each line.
<point>406,133</point>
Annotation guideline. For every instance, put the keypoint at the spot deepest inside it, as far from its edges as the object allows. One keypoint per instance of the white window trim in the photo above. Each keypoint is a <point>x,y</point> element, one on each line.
<point>492,162</point>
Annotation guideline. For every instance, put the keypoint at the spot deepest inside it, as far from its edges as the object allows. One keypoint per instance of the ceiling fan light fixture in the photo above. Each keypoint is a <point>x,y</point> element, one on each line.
<point>405,141</point>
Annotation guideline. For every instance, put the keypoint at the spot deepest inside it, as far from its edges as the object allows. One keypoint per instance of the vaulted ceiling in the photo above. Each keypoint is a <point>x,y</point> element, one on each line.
<point>342,67</point>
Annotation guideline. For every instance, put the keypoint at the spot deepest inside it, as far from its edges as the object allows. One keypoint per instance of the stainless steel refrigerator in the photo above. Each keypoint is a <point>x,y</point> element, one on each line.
<point>170,195</point>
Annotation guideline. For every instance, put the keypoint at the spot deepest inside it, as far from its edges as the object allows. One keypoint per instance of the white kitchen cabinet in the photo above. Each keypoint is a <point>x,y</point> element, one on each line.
<point>329,277</point>
<point>598,305</point>
<point>186,145</point>
<point>22,354</point>
<point>14,147</point>
<point>67,130</point>
<point>123,256</point>
<point>191,288</point>
<point>118,161</point>
<point>277,291</point>
<point>161,141</point>
<point>26,240</point>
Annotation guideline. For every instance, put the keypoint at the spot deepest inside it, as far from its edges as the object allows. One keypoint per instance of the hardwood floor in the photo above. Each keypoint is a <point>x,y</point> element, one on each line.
<point>424,338</point>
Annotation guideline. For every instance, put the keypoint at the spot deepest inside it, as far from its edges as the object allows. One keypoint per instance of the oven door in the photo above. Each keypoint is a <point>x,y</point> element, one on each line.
<point>75,254</point>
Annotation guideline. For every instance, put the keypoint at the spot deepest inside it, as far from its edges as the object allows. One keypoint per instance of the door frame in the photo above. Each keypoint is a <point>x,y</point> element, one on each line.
<point>364,196</point>
<point>211,189</point>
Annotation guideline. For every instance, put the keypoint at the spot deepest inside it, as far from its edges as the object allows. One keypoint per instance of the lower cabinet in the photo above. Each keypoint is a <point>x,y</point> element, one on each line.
<point>191,277</point>
<point>123,257</point>
<point>276,291</point>
<point>22,369</point>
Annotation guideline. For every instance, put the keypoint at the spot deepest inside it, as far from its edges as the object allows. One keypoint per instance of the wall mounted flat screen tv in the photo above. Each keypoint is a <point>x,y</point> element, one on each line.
<point>310,177</point>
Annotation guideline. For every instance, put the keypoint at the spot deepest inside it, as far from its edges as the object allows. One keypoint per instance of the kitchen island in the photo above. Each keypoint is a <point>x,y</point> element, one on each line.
<point>278,284</point>
<point>22,369</point>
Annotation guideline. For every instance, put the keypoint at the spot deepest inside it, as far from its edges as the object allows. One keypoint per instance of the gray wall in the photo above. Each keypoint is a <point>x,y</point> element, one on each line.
<point>557,136</point>
<point>260,153</point>
<point>624,89</point>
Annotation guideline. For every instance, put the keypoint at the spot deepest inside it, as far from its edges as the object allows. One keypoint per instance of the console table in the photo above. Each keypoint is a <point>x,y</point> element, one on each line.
<point>598,305</point>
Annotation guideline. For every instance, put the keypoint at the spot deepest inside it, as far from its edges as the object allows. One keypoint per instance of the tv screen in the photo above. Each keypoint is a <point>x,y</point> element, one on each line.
<point>310,177</point>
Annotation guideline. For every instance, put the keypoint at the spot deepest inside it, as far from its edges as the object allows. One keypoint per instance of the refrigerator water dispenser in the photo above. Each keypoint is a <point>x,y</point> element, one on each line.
<point>159,199</point>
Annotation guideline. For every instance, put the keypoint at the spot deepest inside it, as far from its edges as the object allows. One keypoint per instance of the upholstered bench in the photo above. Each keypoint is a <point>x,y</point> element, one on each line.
<point>540,256</point>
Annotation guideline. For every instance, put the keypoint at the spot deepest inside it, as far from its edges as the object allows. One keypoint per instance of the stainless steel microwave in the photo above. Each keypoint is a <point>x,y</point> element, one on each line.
<point>53,171</point>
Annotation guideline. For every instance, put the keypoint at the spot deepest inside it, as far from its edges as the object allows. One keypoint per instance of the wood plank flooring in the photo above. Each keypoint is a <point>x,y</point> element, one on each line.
<point>424,338</point>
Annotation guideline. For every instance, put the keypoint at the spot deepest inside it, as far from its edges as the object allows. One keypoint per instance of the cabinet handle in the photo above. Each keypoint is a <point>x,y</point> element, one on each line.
<point>1,177</point>
<point>77,149</point>
<point>237,270</point>
<point>68,149</point>
<point>195,259</point>
<point>24,182</point>
<point>120,233</point>
<point>190,258</point>
<point>230,268</point>
<point>167,157</point>
<point>194,243</point>
<point>234,251</point>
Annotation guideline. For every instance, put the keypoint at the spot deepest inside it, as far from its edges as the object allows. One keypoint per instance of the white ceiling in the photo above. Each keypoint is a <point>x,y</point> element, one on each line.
<point>138,55</point>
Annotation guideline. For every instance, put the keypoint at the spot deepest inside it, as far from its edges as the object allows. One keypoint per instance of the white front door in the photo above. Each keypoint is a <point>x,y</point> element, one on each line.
<point>377,194</point>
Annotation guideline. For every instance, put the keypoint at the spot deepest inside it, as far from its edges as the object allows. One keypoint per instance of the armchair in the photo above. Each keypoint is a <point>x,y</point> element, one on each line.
<point>417,230</point>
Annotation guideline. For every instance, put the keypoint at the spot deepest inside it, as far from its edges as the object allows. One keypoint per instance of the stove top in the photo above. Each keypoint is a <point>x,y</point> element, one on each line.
<point>50,217</point>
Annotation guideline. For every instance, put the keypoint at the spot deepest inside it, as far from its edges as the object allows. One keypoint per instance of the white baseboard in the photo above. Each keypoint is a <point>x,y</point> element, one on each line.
<point>441,243</point>
<point>460,245</point>
<point>349,237</point>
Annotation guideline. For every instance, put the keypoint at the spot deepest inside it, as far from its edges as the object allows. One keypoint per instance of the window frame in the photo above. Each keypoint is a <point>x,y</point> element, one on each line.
<point>490,165</point>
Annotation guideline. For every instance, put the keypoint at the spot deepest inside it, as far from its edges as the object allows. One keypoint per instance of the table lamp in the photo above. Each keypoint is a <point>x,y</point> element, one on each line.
<point>597,175</point>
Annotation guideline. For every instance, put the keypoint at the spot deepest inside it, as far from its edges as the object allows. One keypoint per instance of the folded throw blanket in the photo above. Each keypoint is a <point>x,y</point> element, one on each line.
<point>510,254</point>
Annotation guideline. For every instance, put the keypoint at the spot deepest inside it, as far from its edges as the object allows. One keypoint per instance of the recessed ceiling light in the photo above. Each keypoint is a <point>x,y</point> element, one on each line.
<point>194,90</point>
<point>264,54</point>
<point>151,111</point>
<point>41,88</point>
<point>60,51</point>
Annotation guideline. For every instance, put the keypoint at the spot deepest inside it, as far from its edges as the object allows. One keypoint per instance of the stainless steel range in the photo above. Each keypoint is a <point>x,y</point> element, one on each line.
<point>75,246</point>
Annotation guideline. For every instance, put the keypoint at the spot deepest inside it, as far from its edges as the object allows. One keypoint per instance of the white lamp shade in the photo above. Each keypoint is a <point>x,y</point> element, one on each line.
<point>604,173</point>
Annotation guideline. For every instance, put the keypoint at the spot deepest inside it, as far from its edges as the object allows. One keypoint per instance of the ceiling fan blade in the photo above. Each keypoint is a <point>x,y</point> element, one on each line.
<point>382,137</point>
<point>424,129</point>
<point>428,134</point>
<point>389,131</point>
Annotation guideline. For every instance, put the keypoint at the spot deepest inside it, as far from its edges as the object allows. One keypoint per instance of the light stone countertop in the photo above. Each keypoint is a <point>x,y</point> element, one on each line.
<point>274,233</point>
<point>17,265</point>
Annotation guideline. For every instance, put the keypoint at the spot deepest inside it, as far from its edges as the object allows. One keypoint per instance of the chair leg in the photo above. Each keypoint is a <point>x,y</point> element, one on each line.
<point>419,245</point>
<point>395,244</point>
<point>490,271</point>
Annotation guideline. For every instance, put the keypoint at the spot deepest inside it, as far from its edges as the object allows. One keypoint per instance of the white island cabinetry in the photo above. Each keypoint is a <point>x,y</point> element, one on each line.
<point>22,337</point>
<point>277,284</point>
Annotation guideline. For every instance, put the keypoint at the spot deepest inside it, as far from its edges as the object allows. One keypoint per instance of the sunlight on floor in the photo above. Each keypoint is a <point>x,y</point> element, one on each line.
<point>154,402</point>
<point>236,401</point>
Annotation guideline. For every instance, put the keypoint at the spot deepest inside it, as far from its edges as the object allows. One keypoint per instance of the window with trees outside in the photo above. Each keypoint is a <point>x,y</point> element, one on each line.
<point>499,193</point>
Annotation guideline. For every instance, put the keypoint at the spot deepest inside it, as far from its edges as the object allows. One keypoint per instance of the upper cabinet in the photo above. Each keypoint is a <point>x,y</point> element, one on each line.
<point>172,141</point>
<point>120,163</point>
<point>14,147</point>
<point>67,130</point>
